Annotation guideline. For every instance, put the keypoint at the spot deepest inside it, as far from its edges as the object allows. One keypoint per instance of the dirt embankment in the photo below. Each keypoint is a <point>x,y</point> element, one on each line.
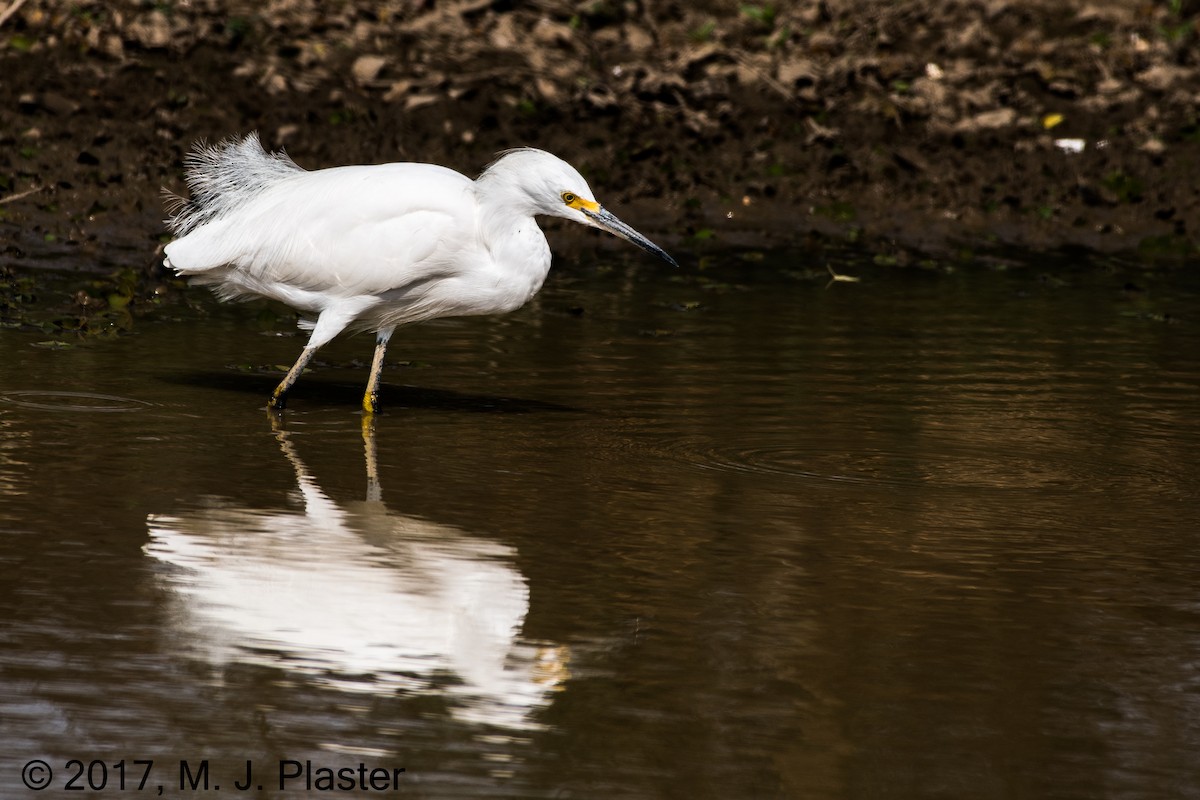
<point>937,126</point>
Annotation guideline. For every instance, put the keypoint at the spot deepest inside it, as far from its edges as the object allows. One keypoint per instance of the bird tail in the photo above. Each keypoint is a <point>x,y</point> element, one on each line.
<point>222,177</point>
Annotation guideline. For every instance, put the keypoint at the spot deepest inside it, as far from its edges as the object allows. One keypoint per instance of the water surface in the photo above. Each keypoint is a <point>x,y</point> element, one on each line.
<point>701,533</point>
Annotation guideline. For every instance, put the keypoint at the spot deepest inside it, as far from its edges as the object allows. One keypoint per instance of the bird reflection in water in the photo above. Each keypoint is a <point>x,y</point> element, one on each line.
<point>357,597</point>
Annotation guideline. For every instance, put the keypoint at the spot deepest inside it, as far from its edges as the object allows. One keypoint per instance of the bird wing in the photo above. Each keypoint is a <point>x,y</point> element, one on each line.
<point>346,230</point>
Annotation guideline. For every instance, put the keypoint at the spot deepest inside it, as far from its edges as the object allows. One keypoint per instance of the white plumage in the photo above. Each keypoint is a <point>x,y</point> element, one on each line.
<point>358,597</point>
<point>374,247</point>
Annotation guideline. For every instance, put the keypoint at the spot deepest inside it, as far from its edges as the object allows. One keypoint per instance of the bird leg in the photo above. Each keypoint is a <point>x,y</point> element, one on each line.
<point>371,397</point>
<point>279,396</point>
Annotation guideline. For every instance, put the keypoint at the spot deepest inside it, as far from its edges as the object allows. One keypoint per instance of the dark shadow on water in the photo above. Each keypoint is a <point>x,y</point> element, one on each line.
<point>393,397</point>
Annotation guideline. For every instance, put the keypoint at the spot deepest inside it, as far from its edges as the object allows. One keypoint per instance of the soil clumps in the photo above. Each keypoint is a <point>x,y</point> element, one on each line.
<point>939,127</point>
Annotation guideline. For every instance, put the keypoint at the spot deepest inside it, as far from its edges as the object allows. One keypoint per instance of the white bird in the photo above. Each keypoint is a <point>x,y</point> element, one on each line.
<point>354,596</point>
<point>373,247</point>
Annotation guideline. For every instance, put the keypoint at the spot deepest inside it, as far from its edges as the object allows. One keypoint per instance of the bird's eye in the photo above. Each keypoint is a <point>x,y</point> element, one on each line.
<point>569,198</point>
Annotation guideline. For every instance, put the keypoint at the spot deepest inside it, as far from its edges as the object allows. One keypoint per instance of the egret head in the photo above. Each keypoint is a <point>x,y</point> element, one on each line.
<point>555,188</point>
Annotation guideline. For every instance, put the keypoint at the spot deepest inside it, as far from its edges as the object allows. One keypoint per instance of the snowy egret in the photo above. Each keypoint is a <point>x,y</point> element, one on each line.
<point>354,594</point>
<point>374,247</point>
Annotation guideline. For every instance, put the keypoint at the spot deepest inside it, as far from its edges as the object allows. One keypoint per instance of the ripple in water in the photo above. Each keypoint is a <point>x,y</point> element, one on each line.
<point>72,401</point>
<point>786,459</point>
<point>935,463</point>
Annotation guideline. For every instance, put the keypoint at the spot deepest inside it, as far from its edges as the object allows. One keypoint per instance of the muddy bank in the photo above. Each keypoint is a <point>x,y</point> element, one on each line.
<point>937,127</point>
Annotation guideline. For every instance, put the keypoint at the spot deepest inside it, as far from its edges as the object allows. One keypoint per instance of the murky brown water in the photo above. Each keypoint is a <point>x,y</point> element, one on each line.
<point>921,536</point>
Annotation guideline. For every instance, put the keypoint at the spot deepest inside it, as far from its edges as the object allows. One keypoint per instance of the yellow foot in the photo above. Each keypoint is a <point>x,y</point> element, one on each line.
<point>370,403</point>
<point>277,402</point>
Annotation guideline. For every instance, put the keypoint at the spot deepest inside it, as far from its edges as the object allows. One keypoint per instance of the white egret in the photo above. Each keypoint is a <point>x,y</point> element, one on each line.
<point>355,596</point>
<point>374,247</point>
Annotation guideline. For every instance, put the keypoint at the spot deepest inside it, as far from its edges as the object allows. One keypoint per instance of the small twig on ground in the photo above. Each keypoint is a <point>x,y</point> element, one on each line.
<point>19,195</point>
<point>13,7</point>
<point>767,79</point>
<point>836,277</point>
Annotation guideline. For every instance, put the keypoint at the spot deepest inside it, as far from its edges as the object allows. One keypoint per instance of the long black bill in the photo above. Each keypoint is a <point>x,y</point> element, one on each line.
<point>605,220</point>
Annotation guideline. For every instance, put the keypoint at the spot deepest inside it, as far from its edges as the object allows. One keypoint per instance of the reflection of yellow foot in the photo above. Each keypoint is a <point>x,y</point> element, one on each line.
<point>374,490</point>
<point>551,667</point>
